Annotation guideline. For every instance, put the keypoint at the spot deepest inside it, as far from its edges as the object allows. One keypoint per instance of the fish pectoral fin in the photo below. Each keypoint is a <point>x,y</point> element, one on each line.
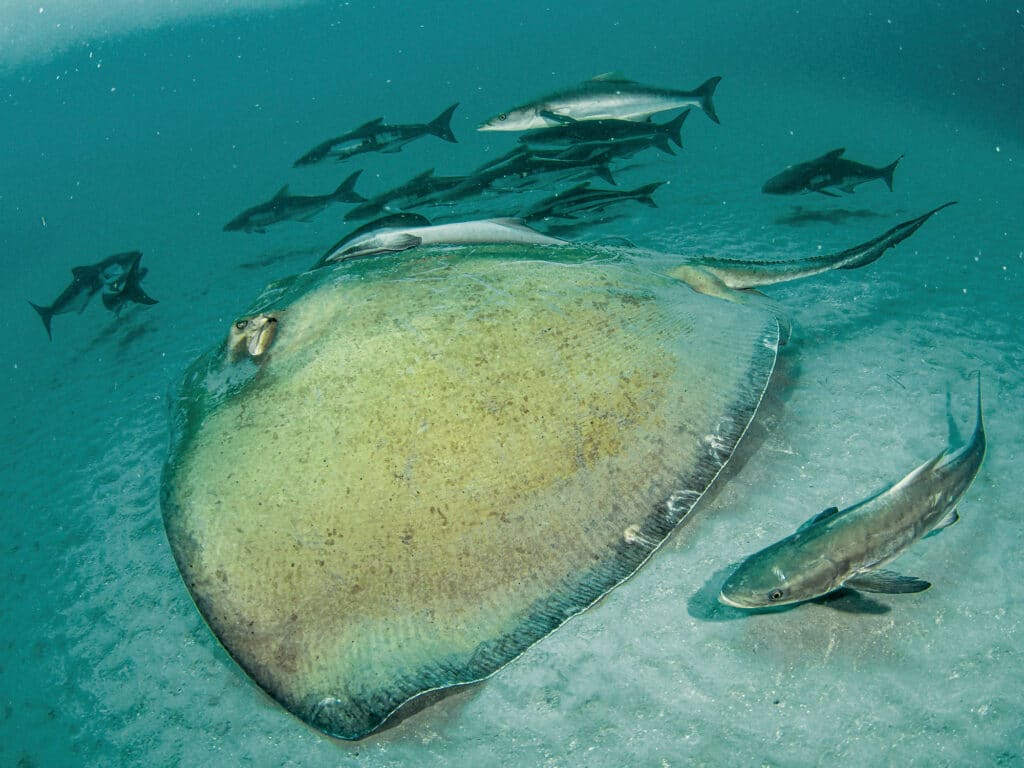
<point>547,114</point>
<point>889,582</point>
<point>951,517</point>
<point>826,193</point>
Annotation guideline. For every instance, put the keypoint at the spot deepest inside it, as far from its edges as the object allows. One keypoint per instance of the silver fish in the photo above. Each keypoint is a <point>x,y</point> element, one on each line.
<point>847,548</point>
<point>392,234</point>
<point>606,97</point>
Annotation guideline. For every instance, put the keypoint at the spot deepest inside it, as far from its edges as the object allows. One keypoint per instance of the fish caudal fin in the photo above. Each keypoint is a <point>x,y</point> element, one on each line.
<point>441,127</point>
<point>46,314</point>
<point>705,93</point>
<point>674,127</point>
<point>889,170</point>
<point>643,194</point>
<point>346,191</point>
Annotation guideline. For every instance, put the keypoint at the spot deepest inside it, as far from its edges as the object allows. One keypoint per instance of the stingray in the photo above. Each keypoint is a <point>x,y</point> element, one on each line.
<point>447,452</point>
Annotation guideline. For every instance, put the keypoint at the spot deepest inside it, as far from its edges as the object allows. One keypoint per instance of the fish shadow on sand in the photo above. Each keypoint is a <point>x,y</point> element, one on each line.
<point>800,216</point>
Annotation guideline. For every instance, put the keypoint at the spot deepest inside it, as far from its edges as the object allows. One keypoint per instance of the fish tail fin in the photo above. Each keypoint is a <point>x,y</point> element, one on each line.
<point>889,170</point>
<point>644,194</point>
<point>441,127</point>
<point>673,128</point>
<point>46,314</point>
<point>661,142</point>
<point>979,421</point>
<point>705,93</point>
<point>346,191</point>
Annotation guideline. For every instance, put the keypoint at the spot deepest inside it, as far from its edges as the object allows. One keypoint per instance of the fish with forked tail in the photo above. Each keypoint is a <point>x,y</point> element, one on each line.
<point>829,172</point>
<point>377,136</point>
<point>284,206</point>
<point>606,97</point>
<point>847,548</point>
<point>118,276</point>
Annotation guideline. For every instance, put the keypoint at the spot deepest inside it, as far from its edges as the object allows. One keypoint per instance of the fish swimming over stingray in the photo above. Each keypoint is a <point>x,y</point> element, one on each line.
<point>848,548</point>
<point>827,174</point>
<point>469,445</point>
<point>377,136</point>
<point>605,97</point>
<point>284,207</point>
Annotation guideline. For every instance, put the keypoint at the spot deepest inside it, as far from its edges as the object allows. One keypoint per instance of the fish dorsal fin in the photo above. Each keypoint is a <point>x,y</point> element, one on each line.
<point>888,582</point>
<point>282,192</point>
<point>369,125</point>
<point>611,77</point>
<point>820,517</point>
<point>835,153</point>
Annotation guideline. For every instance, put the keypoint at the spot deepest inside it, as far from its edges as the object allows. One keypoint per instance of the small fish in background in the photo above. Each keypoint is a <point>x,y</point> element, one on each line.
<point>606,97</point>
<point>847,548</point>
<point>824,174</point>
<point>118,276</point>
<point>286,207</point>
<point>568,130</point>
<point>376,136</point>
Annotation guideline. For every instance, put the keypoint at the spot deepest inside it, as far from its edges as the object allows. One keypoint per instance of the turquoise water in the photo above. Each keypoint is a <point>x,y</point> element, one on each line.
<point>125,131</point>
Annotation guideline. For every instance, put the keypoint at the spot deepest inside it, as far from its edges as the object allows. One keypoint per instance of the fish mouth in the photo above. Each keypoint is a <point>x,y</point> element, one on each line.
<point>725,600</point>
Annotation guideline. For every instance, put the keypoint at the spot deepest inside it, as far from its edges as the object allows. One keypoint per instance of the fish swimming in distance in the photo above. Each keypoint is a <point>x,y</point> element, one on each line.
<point>568,130</point>
<point>117,275</point>
<point>583,199</point>
<point>402,231</point>
<point>605,97</point>
<point>824,174</point>
<point>376,136</point>
<point>847,548</point>
<point>284,207</point>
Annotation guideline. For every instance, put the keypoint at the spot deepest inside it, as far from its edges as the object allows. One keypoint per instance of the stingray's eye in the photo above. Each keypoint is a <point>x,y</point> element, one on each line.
<point>775,594</point>
<point>240,324</point>
<point>503,116</point>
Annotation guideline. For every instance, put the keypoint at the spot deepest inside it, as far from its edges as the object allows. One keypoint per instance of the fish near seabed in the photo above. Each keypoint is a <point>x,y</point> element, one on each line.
<point>605,97</point>
<point>828,172</point>
<point>847,548</point>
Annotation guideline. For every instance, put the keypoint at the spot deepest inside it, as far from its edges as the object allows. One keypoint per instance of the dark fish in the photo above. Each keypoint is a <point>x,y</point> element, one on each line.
<point>829,172</point>
<point>376,136</point>
<point>282,207</point>
<point>127,289</point>
<point>847,548</point>
<point>571,131</point>
<point>416,189</point>
<point>118,275</point>
<point>583,199</point>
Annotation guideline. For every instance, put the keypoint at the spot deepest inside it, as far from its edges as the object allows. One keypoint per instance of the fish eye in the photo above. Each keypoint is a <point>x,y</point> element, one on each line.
<point>503,116</point>
<point>775,594</point>
<point>240,324</point>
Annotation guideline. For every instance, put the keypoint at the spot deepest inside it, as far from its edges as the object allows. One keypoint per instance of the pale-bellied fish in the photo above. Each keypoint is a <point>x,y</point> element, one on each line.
<point>606,97</point>
<point>847,548</point>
